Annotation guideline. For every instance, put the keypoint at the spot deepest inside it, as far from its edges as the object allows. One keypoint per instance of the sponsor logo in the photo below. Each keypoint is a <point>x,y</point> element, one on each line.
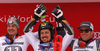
<point>43,24</point>
<point>85,25</point>
<point>65,22</point>
<point>32,19</point>
<point>12,19</point>
<point>19,43</point>
<point>89,47</point>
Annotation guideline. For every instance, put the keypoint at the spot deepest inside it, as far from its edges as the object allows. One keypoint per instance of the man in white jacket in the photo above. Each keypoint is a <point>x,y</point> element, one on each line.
<point>46,31</point>
<point>86,41</point>
<point>11,41</point>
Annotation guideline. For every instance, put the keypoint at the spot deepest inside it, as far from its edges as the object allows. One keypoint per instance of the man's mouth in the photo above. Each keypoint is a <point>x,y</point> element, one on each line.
<point>44,37</point>
<point>11,31</point>
<point>84,36</point>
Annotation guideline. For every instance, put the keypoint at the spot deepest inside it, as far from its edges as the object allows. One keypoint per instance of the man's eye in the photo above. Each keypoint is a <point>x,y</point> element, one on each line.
<point>13,26</point>
<point>46,32</point>
<point>41,32</point>
<point>8,26</point>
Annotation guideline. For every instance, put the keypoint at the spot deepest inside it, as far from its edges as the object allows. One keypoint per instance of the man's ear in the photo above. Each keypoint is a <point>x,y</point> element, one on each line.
<point>92,32</point>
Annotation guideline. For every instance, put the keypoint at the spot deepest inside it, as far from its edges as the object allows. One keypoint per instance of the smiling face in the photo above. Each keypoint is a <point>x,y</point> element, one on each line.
<point>12,29</point>
<point>45,35</point>
<point>86,33</point>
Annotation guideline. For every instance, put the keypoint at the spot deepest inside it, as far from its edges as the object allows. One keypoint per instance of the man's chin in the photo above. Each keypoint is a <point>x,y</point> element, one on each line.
<point>85,39</point>
<point>46,41</point>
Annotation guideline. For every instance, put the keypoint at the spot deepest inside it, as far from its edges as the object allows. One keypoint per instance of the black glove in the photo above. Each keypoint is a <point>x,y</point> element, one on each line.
<point>40,12</point>
<point>58,13</point>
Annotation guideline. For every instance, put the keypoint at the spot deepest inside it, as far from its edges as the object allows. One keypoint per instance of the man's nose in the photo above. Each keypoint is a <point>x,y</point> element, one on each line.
<point>84,32</point>
<point>44,34</point>
<point>10,27</point>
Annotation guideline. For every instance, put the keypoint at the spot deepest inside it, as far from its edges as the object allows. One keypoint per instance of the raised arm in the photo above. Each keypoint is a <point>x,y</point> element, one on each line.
<point>69,33</point>
<point>39,13</point>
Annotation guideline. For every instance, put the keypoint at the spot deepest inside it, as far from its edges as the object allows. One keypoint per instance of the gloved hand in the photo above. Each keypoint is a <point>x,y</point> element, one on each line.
<point>40,12</point>
<point>58,13</point>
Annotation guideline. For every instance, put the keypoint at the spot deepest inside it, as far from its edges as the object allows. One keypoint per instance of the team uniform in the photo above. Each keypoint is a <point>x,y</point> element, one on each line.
<point>19,44</point>
<point>92,45</point>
